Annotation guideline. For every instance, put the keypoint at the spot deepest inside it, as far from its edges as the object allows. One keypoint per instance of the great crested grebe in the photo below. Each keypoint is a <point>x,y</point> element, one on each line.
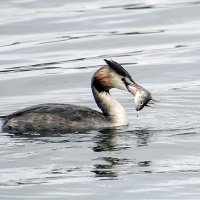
<point>69,117</point>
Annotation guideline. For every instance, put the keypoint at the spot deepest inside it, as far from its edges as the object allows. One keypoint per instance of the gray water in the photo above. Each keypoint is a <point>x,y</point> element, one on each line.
<point>48,53</point>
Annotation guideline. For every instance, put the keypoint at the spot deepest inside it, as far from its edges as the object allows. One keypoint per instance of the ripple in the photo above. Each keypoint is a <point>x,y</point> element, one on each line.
<point>49,51</point>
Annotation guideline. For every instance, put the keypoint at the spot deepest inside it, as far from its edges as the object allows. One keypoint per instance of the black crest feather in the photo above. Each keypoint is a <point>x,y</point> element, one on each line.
<point>118,68</point>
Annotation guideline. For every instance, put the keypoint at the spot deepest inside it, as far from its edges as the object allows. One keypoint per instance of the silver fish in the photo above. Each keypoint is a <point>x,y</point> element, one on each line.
<point>143,98</point>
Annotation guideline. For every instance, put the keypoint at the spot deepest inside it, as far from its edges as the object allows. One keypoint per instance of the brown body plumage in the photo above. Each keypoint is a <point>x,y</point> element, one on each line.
<point>67,117</point>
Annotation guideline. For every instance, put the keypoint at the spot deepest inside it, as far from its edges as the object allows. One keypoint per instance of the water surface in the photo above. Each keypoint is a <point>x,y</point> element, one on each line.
<point>49,51</point>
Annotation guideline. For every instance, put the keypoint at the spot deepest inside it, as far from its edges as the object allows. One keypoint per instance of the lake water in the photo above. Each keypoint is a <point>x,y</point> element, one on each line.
<point>48,53</point>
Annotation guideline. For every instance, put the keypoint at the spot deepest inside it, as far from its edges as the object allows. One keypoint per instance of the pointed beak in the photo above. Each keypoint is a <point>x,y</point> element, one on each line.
<point>133,87</point>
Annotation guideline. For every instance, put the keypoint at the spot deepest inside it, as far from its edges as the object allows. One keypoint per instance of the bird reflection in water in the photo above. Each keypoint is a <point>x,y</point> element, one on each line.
<point>143,137</point>
<point>110,167</point>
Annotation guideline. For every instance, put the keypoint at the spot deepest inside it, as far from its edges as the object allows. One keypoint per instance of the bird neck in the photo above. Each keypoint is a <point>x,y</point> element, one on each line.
<point>110,107</point>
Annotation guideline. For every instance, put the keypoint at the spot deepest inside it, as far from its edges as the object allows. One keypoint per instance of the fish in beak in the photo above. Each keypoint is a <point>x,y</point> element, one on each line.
<point>142,97</point>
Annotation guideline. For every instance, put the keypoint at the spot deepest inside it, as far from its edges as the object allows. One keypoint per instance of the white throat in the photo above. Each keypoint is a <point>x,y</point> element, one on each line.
<point>111,107</point>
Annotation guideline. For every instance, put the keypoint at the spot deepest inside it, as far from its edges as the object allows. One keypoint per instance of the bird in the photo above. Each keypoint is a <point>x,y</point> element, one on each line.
<point>57,117</point>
